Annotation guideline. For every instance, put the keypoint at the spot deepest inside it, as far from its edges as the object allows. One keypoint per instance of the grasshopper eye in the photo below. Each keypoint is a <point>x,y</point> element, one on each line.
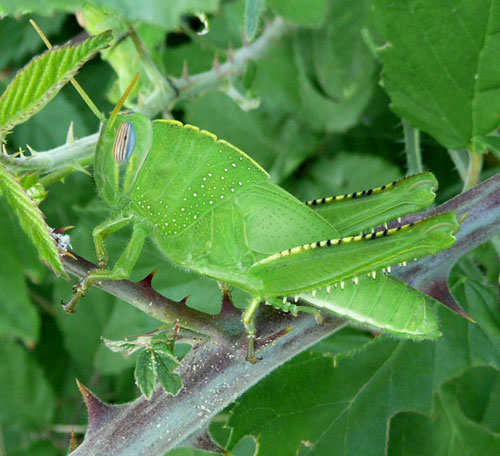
<point>124,142</point>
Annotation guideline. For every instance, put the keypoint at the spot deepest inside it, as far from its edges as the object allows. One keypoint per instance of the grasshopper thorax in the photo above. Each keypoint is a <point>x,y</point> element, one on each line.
<point>122,149</point>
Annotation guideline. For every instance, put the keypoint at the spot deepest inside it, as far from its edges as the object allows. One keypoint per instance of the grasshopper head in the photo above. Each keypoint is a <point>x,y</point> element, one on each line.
<point>123,146</point>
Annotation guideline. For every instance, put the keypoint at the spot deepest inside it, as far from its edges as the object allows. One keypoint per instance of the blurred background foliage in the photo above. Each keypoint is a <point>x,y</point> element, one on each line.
<point>322,126</point>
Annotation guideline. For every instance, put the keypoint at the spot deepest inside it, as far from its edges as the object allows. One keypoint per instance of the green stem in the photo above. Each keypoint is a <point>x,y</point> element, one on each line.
<point>54,159</point>
<point>474,170</point>
<point>412,149</point>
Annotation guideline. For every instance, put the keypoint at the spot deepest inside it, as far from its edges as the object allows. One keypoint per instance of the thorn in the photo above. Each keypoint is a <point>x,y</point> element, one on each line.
<point>80,168</point>
<point>73,443</point>
<point>284,299</point>
<point>314,293</point>
<point>230,53</point>
<point>415,259</point>
<point>328,289</point>
<point>63,229</point>
<point>355,280</point>
<point>386,226</point>
<point>342,284</point>
<point>399,220</point>
<point>296,298</point>
<point>70,137</point>
<point>463,218</point>
<point>384,270</point>
<point>99,412</point>
<point>388,268</point>
<point>216,64</point>
<point>147,281</point>
<point>68,253</point>
<point>374,274</point>
<point>185,72</point>
<point>404,264</point>
<point>32,151</point>
<point>335,284</point>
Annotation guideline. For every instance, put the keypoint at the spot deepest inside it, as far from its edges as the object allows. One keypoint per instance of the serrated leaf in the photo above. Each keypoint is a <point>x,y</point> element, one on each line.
<point>253,10</point>
<point>32,221</point>
<point>165,364</point>
<point>40,80</point>
<point>171,382</point>
<point>447,87</point>
<point>145,373</point>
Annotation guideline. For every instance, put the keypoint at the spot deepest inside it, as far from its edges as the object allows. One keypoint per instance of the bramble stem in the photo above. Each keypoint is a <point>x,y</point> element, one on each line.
<point>145,298</point>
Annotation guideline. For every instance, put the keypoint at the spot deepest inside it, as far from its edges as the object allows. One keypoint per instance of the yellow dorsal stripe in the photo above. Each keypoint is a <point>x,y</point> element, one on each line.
<point>340,241</point>
<point>348,196</point>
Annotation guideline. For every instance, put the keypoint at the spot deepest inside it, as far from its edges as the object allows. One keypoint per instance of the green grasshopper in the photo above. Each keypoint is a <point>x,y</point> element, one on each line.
<point>211,209</point>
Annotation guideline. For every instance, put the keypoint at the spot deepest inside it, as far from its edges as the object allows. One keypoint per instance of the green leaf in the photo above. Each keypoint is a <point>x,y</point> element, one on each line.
<point>26,398</point>
<point>32,221</point>
<point>170,382</point>
<point>449,431</point>
<point>304,12</point>
<point>145,372</point>
<point>40,80</point>
<point>253,10</point>
<point>446,87</point>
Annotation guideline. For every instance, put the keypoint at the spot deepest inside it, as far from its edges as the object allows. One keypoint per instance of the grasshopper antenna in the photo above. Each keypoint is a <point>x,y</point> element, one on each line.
<point>121,101</point>
<point>77,86</point>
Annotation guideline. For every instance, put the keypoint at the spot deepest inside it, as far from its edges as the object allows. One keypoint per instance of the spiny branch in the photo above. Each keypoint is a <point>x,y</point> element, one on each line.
<point>145,298</point>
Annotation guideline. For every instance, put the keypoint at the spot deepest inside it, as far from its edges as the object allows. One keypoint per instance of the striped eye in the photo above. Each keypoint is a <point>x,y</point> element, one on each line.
<point>124,142</point>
